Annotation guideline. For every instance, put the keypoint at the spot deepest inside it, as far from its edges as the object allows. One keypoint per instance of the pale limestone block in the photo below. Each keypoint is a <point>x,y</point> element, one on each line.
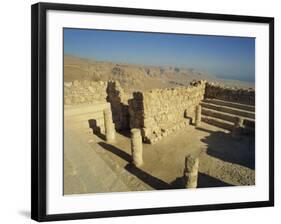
<point>191,171</point>
<point>109,126</point>
<point>136,146</point>
<point>198,115</point>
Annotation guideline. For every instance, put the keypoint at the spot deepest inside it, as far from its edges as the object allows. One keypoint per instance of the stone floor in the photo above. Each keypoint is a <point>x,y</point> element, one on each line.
<point>93,166</point>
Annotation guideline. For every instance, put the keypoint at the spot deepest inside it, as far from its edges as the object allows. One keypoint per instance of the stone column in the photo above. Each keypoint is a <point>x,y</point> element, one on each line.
<point>109,126</point>
<point>136,147</point>
<point>198,115</point>
<point>191,171</point>
<point>237,127</point>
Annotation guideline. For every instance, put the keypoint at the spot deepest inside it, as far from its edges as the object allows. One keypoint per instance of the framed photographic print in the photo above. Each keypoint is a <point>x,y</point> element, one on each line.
<point>139,111</point>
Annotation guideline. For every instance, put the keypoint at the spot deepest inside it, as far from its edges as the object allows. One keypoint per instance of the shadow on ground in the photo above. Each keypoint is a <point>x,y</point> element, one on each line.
<point>147,178</point>
<point>125,133</point>
<point>96,129</point>
<point>203,181</point>
<point>156,183</point>
<point>223,146</point>
<point>116,151</point>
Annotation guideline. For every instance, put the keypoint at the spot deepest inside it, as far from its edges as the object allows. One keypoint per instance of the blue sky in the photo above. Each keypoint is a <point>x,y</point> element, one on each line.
<point>225,57</point>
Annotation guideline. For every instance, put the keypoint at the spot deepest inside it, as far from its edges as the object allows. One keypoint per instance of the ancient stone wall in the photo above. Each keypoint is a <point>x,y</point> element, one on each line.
<point>89,92</point>
<point>245,96</point>
<point>83,92</point>
<point>119,104</point>
<point>162,111</point>
<point>156,113</point>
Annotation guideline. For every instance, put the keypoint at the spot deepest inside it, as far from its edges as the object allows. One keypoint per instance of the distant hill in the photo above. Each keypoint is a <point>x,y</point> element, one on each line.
<point>134,77</point>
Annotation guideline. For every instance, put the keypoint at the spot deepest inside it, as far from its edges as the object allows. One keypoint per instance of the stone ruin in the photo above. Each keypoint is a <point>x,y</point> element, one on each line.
<point>90,92</point>
<point>159,112</point>
<point>162,111</point>
<point>243,96</point>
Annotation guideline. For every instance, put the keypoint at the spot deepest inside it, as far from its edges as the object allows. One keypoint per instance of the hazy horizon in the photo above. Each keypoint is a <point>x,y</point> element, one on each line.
<point>220,56</point>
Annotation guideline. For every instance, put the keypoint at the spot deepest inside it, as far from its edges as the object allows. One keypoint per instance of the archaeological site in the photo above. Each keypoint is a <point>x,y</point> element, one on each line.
<point>148,111</point>
<point>193,135</point>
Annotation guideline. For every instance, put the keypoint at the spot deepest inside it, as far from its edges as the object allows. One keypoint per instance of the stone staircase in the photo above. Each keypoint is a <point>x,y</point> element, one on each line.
<point>223,114</point>
<point>87,116</point>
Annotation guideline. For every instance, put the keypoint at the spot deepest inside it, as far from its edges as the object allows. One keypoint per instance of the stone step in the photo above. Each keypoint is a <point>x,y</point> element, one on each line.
<point>131,181</point>
<point>86,126</point>
<point>228,117</point>
<point>83,119</point>
<point>231,104</point>
<point>218,122</point>
<point>88,168</point>
<point>229,110</point>
<point>87,121</point>
<point>90,115</point>
<point>88,108</point>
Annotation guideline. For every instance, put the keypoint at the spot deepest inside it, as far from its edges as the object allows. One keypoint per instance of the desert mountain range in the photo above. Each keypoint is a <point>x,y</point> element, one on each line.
<point>134,77</point>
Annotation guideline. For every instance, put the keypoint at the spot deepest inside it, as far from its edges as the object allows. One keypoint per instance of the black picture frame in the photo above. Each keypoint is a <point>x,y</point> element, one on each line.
<point>39,108</point>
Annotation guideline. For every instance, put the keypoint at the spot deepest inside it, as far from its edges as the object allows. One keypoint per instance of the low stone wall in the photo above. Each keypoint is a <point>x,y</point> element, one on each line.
<point>160,112</point>
<point>84,92</point>
<point>245,96</point>
<point>87,116</point>
<point>90,92</point>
